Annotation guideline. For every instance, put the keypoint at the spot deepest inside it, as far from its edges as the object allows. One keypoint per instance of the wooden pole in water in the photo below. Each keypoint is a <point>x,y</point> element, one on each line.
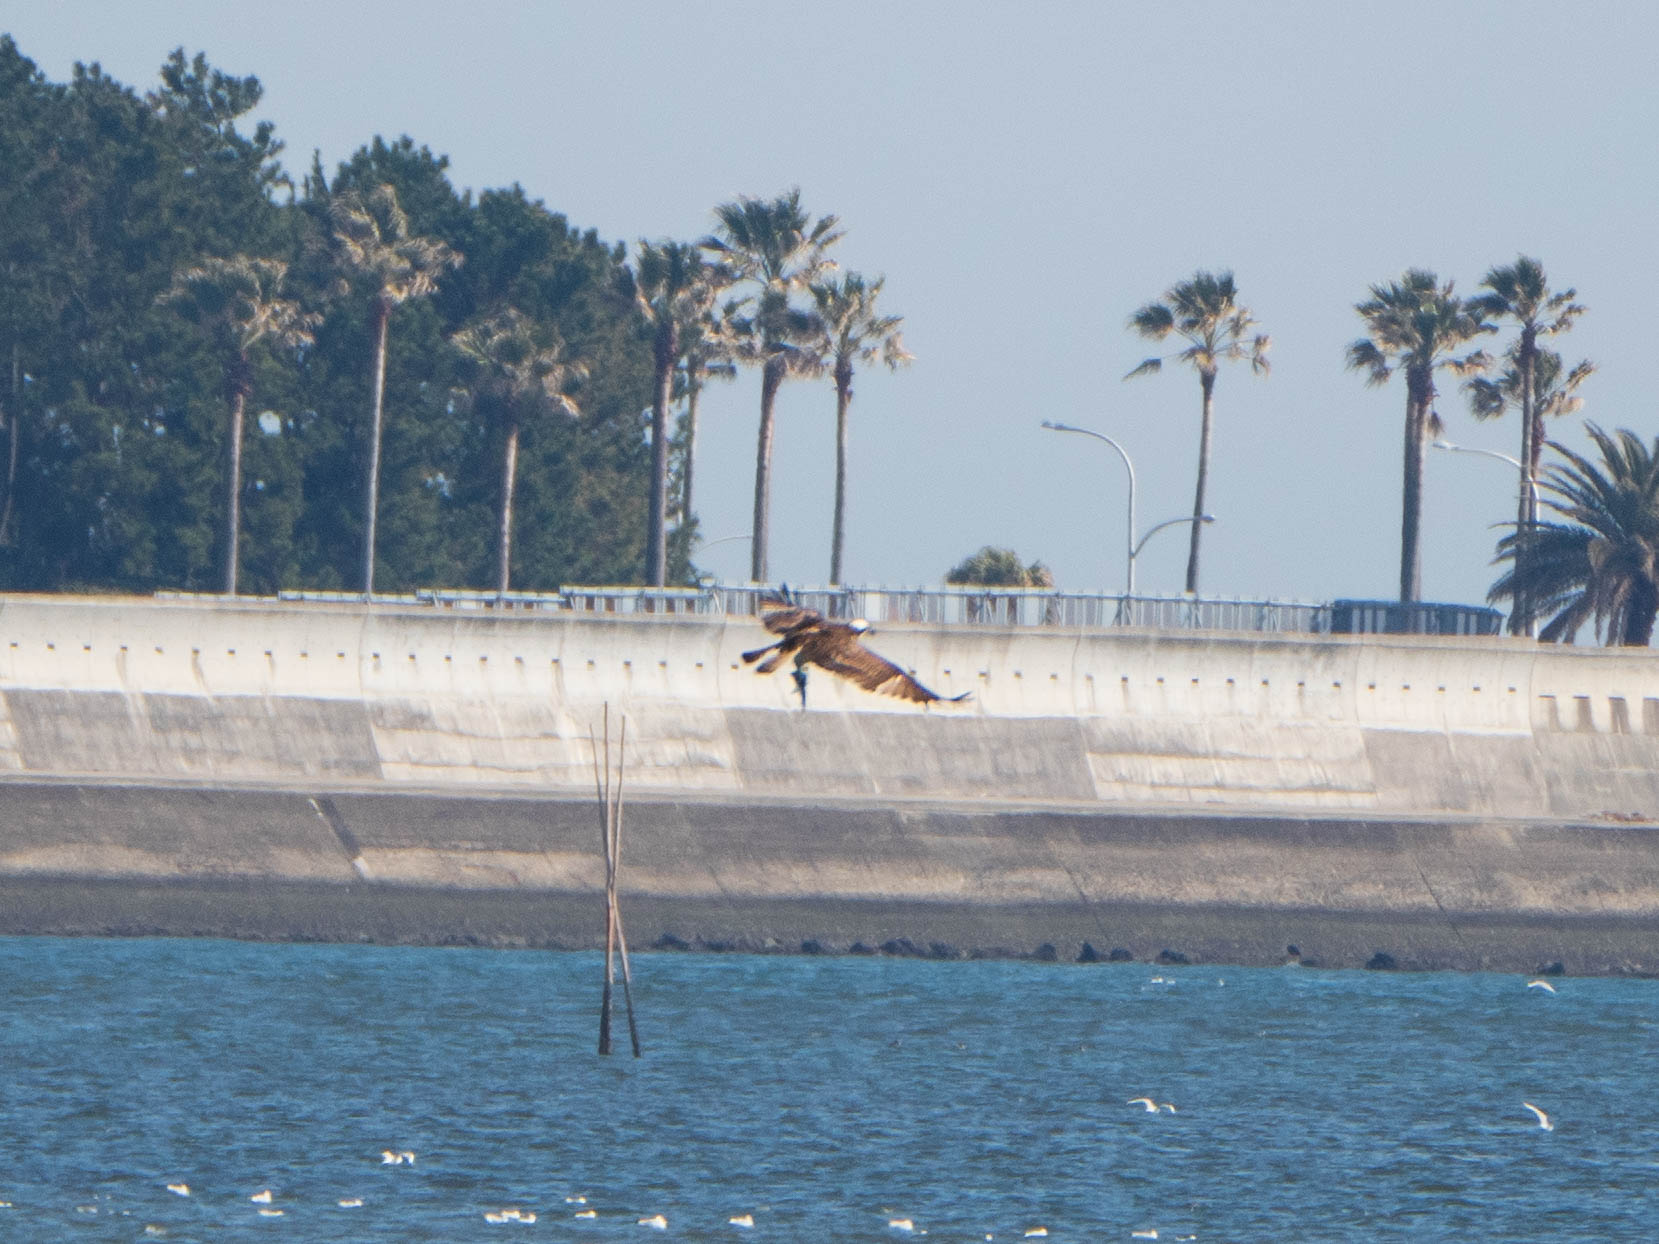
<point>602,792</point>
<point>616,867</point>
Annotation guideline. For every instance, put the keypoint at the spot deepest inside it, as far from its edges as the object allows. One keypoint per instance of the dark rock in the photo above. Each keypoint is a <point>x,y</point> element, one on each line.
<point>943,950</point>
<point>1087,955</point>
<point>1173,957</point>
<point>1292,951</point>
<point>1382,961</point>
<point>901,946</point>
<point>809,947</point>
<point>859,948</point>
<point>667,941</point>
<point>1548,969</point>
<point>1046,953</point>
<point>1119,955</point>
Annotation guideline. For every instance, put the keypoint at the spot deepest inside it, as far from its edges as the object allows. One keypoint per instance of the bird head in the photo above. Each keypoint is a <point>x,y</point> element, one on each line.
<point>861,626</point>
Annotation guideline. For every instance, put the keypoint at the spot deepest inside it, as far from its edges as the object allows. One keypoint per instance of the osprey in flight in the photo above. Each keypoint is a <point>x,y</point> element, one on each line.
<point>815,640</point>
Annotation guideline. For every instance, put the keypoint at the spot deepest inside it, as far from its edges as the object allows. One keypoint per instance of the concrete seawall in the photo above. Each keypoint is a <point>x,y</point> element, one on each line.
<point>263,769</point>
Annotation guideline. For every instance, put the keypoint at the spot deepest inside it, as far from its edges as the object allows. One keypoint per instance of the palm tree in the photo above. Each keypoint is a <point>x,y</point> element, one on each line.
<point>672,288</point>
<point>707,349</point>
<point>1602,565</point>
<point>238,302</point>
<point>1202,310</point>
<point>373,233</point>
<point>1413,325</point>
<point>1551,393</point>
<point>776,247</point>
<point>1521,292</point>
<point>851,331</point>
<point>521,370</point>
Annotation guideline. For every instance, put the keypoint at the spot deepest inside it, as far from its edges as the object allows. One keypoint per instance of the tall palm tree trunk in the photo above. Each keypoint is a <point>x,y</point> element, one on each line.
<point>233,471</point>
<point>771,377</point>
<point>1639,618</point>
<point>1205,438</point>
<point>382,317</point>
<point>504,541</point>
<point>690,450</point>
<point>656,542</point>
<point>843,398</point>
<point>1520,616</point>
<point>1419,394</point>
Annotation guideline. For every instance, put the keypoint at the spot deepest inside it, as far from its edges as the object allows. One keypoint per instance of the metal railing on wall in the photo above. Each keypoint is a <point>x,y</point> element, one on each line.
<point>966,606</point>
<point>974,606</point>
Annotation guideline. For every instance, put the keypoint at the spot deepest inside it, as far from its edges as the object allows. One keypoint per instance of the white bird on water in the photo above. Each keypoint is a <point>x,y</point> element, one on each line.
<point>179,1189</point>
<point>742,1220</point>
<point>1151,1106</point>
<point>1541,984</point>
<point>655,1221</point>
<point>901,1224</point>
<point>263,1198</point>
<point>1543,1119</point>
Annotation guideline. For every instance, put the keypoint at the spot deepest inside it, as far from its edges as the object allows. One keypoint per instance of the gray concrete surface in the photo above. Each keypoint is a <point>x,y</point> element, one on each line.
<point>406,773</point>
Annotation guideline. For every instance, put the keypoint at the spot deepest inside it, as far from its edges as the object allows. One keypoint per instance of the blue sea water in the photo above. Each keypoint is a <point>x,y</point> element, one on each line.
<point>827,1098</point>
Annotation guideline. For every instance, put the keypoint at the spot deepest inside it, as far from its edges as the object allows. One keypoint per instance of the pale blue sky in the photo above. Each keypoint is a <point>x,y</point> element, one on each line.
<point>1025,176</point>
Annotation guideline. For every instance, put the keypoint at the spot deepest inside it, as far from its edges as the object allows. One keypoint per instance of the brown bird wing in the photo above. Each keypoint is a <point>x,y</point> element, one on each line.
<point>837,649</point>
<point>780,617</point>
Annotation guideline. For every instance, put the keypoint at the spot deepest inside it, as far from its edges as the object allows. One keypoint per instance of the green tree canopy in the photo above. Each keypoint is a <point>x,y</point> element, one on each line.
<point>998,567</point>
<point>113,411</point>
<point>1601,563</point>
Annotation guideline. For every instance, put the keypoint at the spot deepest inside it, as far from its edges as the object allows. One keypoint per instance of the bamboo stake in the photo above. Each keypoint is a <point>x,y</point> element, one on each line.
<point>603,793</point>
<point>616,868</point>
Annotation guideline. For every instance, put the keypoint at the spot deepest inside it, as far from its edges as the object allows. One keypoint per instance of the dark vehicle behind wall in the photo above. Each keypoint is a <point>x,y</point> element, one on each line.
<point>1391,617</point>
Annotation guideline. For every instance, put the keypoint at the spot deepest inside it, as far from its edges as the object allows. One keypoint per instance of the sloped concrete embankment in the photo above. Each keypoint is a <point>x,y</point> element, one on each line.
<point>298,770</point>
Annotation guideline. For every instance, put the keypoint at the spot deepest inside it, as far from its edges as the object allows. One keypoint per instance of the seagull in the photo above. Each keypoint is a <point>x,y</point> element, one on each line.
<point>352,1202</point>
<point>901,1224</point>
<point>1541,984</point>
<point>263,1198</point>
<point>586,1213</point>
<point>179,1189</point>
<point>742,1220</point>
<point>1543,1119</point>
<point>1036,1231</point>
<point>1167,1107</point>
<point>270,1213</point>
<point>1151,1106</point>
<point>656,1221</point>
<point>576,1200</point>
<point>1144,1235</point>
<point>388,1158</point>
<point>494,1216</point>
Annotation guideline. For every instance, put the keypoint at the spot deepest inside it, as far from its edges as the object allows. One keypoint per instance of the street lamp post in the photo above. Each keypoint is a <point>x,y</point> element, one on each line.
<point>1529,491</point>
<point>1129,543</point>
<point>1132,549</point>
